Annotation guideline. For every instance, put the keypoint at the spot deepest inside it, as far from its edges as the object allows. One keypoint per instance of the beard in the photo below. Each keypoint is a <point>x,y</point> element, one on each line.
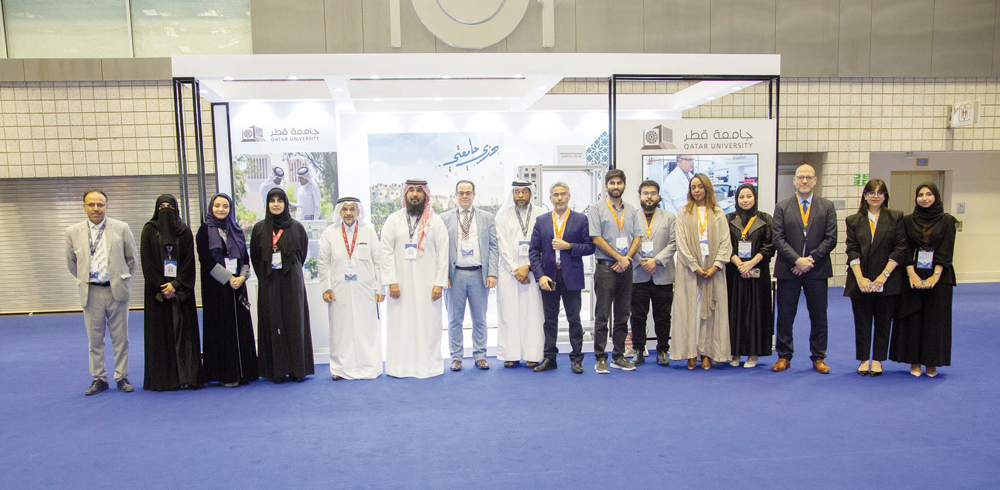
<point>415,208</point>
<point>615,193</point>
<point>649,208</point>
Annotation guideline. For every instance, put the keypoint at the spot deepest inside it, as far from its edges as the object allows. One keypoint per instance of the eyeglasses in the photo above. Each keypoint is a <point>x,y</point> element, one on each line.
<point>875,194</point>
<point>465,193</point>
<point>803,178</point>
<point>93,205</point>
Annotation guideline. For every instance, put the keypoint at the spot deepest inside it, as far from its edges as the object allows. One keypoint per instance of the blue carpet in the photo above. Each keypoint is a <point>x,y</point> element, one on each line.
<point>509,428</point>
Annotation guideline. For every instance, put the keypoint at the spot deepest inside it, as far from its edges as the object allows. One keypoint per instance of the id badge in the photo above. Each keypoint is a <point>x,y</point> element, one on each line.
<point>647,249</point>
<point>350,273</point>
<point>169,268</point>
<point>703,245</point>
<point>276,260</point>
<point>522,248</point>
<point>231,266</point>
<point>744,249</point>
<point>621,245</point>
<point>410,251</point>
<point>925,259</point>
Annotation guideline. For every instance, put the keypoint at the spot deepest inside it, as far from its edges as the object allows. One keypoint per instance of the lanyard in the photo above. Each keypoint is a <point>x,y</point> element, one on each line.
<point>555,224</point>
<point>649,226</point>
<point>350,248</point>
<point>524,227</point>
<point>170,251</point>
<point>411,226</point>
<point>702,222</point>
<point>871,224</point>
<point>620,221</point>
<point>94,243</point>
<point>274,239</point>
<point>804,214</point>
<point>746,228</point>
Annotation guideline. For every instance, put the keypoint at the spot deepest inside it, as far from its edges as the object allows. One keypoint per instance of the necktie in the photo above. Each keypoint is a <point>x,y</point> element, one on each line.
<point>466,224</point>
<point>100,257</point>
<point>805,206</point>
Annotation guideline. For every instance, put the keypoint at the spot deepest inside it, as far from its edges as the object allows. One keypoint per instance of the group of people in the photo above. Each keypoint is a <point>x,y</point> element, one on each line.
<point>705,275</point>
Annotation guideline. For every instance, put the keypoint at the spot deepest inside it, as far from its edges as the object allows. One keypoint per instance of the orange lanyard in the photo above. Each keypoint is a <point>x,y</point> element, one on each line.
<point>274,239</point>
<point>747,228</point>
<point>804,214</point>
<point>619,221</point>
<point>702,223</point>
<point>649,226</point>
<point>555,224</point>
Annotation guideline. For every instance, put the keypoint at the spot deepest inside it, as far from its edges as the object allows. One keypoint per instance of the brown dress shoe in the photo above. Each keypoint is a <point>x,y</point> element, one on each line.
<point>482,364</point>
<point>781,365</point>
<point>821,367</point>
<point>530,364</point>
<point>456,365</point>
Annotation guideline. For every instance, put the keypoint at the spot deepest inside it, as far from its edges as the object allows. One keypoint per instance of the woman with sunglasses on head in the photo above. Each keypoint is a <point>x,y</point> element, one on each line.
<point>876,245</point>
<point>922,328</point>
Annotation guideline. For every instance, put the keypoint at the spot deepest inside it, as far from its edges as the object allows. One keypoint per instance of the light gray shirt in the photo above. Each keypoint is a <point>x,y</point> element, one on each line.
<point>603,224</point>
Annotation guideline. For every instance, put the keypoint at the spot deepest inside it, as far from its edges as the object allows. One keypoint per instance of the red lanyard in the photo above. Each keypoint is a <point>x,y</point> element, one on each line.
<point>350,248</point>
<point>274,239</point>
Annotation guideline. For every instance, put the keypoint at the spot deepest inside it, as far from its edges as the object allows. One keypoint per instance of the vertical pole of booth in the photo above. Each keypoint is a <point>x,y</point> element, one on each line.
<point>199,145</point>
<point>612,115</point>
<point>181,150</point>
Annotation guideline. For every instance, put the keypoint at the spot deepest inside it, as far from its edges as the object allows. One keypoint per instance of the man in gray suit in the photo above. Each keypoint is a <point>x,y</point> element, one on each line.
<point>653,275</point>
<point>101,254</point>
<point>805,232</point>
<point>472,271</point>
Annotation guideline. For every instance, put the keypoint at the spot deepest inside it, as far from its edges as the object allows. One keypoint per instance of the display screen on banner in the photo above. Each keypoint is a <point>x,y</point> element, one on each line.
<point>442,159</point>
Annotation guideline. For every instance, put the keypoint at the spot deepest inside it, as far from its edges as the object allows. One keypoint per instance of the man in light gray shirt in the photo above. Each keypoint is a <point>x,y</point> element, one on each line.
<point>653,276</point>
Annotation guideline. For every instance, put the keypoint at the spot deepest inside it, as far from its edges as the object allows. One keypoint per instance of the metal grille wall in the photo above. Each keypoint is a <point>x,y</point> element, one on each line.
<point>34,215</point>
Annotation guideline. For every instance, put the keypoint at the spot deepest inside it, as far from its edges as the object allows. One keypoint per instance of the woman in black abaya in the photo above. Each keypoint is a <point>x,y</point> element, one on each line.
<point>751,316</point>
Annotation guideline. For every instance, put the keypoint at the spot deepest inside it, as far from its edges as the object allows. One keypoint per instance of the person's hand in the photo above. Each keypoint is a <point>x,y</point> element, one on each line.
<point>491,282</point>
<point>711,272</point>
<point>558,244</point>
<point>915,281</point>
<point>436,292</point>
<point>804,263</point>
<point>546,283</point>
<point>379,297</point>
<point>649,265</point>
<point>521,273</point>
<point>622,264</point>
<point>877,285</point>
<point>932,281</point>
<point>394,291</point>
<point>236,281</point>
<point>167,290</point>
<point>328,296</point>
<point>745,267</point>
<point>864,285</point>
<point>700,272</point>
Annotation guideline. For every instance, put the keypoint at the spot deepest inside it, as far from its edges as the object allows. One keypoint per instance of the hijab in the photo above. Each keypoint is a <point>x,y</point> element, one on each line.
<point>281,221</point>
<point>167,221</point>
<point>745,215</point>
<point>925,221</point>
<point>235,244</point>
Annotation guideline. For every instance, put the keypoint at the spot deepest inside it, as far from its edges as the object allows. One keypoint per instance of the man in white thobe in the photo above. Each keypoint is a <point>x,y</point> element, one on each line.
<point>349,269</point>
<point>519,332</point>
<point>307,197</point>
<point>273,181</point>
<point>414,261</point>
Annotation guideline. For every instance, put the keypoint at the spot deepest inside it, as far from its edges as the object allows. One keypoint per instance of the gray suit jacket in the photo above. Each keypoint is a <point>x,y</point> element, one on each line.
<point>121,258</point>
<point>488,251</point>
<point>790,238</point>
<point>664,247</point>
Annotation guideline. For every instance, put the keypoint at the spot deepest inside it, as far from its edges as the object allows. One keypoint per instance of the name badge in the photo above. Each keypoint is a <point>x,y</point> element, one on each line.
<point>276,260</point>
<point>410,251</point>
<point>231,266</point>
<point>169,268</point>
<point>350,273</point>
<point>647,249</point>
<point>744,249</point>
<point>703,245</point>
<point>522,248</point>
<point>93,276</point>
<point>925,259</point>
<point>621,245</point>
<point>468,252</point>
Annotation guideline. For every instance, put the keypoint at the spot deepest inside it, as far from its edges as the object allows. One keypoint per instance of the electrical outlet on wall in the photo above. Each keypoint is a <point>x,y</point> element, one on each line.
<point>961,208</point>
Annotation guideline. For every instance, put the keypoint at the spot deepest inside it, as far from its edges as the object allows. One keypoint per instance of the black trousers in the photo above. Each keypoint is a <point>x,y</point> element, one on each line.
<point>788,305</point>
<point>869,308</point>
<point>550,307</point>
<point>662,297</point>
<point>614,291</point>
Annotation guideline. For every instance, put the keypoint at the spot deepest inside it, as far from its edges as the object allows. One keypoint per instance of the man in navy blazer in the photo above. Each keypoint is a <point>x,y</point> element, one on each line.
<point>805,232</point>
<point>559,241</point>
<point>472,271</point>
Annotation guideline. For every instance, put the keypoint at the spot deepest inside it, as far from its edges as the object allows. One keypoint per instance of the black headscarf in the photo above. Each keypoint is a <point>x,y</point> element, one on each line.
<point>236,244</point>
<point>167,221</point>
<point>745,215</point>
<point>281,221</point>
<point>924,221</point>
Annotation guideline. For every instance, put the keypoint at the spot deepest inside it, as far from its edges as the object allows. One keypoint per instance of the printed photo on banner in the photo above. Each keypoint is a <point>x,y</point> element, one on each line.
<point>674,171</point>
<point>308,178</point>
<point>442,159</point>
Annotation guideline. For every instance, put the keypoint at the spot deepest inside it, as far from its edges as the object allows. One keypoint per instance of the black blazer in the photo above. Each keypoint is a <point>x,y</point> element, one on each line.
<point>889,243</point>
<point>789,237</point>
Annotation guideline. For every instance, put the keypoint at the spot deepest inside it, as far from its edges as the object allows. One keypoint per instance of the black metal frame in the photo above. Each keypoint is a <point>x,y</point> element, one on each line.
<point>229,143</point>
<point>773,96</point>
<point>182,151</point>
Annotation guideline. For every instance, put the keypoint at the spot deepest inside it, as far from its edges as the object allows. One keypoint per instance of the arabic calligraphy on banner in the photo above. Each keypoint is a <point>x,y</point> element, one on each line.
<point>718,140</point>
<point>294,134</point>
<point>471,155</point>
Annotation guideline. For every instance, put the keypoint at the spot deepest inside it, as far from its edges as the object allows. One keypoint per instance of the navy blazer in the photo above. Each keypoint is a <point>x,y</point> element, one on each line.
<point>543,256</point>
<point>789,237</point>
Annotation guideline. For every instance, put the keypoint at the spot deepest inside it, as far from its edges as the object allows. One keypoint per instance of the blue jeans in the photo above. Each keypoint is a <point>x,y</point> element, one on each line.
<point>467,286</point>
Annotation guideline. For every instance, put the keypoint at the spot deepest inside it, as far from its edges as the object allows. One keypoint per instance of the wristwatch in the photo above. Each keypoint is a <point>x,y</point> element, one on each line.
<point>886,273</point>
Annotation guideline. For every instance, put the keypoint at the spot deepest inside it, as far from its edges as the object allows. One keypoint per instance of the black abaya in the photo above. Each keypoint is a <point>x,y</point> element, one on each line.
<point>751,312</point>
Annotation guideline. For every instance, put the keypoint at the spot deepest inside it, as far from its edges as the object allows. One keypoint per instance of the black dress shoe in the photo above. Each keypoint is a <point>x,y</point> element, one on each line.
<point>124,385</point>
<point>578,367</point>
<point>546,365</point>
<point>96,387</point>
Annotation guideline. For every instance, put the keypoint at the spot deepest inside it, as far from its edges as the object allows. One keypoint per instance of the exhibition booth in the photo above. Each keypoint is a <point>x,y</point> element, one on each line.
<point>329,126</point>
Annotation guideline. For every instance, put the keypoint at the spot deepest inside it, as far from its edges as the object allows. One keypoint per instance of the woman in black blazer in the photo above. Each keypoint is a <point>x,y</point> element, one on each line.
<point>876,244</point>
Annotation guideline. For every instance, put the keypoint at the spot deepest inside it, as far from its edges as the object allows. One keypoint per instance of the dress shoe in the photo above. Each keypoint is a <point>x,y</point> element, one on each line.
<point>456,365</point>
<point>337,378</point>
<point>821,367</point>
<point>530,364</point>
<point>482,364</point>
<point>546,365</point>
<point>781,365</point>
<point>751,363</point>
<point>915,370</point>
<point>125,386</point>
<point>864,369</point>
<point>931,371</point>
<point>876,368</point>
<point>662,359</point>
<point>706,363</point>
<point>510,364</point>
<point>96,387</point>
<point>577,367</point>
<point>692,363</point>
<point>735,362</point>
<point>234,384</point>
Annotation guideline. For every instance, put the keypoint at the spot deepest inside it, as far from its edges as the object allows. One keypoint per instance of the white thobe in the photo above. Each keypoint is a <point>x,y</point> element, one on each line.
<point>414,328</point>
<point>307,201</point>
<point>355,330</point>
<point>519,330</point>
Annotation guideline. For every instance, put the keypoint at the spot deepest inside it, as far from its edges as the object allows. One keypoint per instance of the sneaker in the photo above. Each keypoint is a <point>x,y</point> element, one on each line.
<point>124,385</point>
<point>629,351</point>
<point>96,387</point>
<point>639,359</point>
<point>578,367</point>
<point>662,359</point>
<point>623,364</point>
<point>602,366</point>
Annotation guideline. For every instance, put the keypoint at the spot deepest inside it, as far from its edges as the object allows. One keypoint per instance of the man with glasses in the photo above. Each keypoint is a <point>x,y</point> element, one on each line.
<point>805,232</point>
<point>675,186</point>
<point>101,254</point>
